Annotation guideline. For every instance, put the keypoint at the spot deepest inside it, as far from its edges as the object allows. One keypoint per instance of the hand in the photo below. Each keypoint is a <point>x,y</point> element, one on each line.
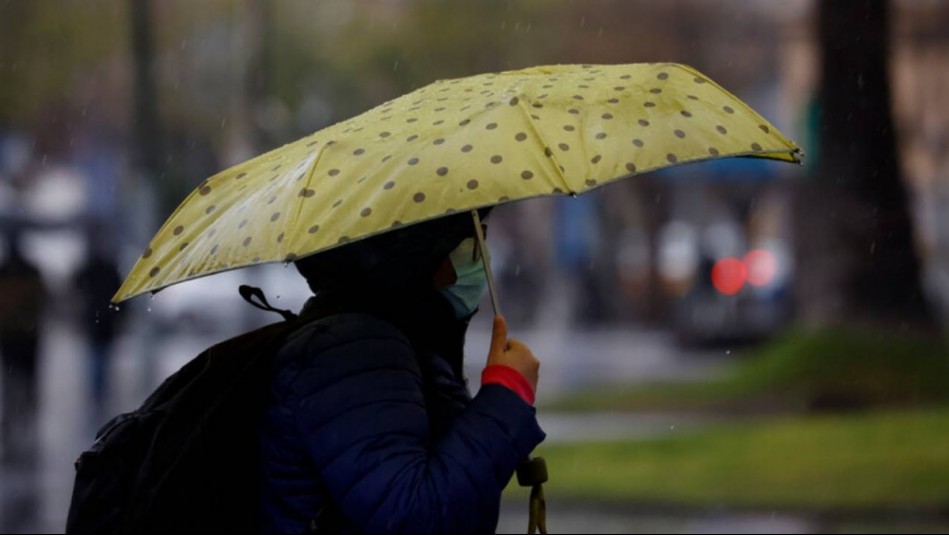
<point>512,353</point>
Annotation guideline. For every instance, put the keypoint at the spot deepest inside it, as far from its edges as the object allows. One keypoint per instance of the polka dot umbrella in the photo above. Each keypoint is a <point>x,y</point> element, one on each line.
<point>451,146</point>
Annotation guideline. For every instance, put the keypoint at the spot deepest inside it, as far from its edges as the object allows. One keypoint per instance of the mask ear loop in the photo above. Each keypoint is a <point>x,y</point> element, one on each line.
<point>486,260</point>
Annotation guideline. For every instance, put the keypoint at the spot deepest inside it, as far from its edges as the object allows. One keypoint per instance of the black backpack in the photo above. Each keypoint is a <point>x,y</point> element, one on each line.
<point>187,459</point>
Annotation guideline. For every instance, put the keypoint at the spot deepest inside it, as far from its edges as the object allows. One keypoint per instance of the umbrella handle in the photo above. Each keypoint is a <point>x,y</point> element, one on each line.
<point>486,260</point>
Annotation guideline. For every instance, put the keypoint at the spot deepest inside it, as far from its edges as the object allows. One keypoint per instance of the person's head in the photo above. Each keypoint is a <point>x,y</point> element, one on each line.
<point>403,261</point>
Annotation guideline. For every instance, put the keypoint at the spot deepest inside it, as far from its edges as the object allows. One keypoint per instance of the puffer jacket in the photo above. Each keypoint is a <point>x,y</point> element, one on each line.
<point>371,424</point>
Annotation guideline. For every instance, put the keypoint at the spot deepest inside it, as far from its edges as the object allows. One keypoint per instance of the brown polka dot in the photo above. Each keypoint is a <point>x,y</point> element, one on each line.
<point>547,152</point>
<point>274,168</point>
<point>358,152</point>
<point>438,122</point>
<point>755,146</point>
<point>491,126</point>
<point>537,105</point>
<point>601,135</point>
<point>290,257</point>
<point>154,272</point>
<point>573,111</point>
<point>313,230</point>
<point>686,113</point>
<point>527,175</point>
<point>242,175</point>
<point>256,259</point>
<point>643,122</point>
<point>385,134</point>
<point>466,148</point>
<point>365,212</point>
<point>472,184</point>
<point>243,224</point>
<point>178,230</point>
<point>596,159</point>
<point>247,241</point>
<point>438,141</point>
<point>441,171</point>
<point>333,172</point>
<point>569,128</point>
<point>411,120</point>
<point>204,189</point>
<point>699,80</point>
<point>271,200</point>
<point>590,182</point>
<point>210,209</point>
<point>183,246</point>
<point>728,109</point>
<point>638,142</point>
<point>504,198</point>
<point>535,117</point>
<point>464,122</point>
<point>496,159</point>
<point>411,138</point>
<point>663,76</point>
<point>679,134</point>
<point>620,88</point>
<point>280,238</point>
<point>514,101</point>
<point>396,224</point>
<point>557,191</point>
<point>649,104</point>
<point>212,232</point>
<point>275,216</point>
<point>672,158</point>
<point>386,158</point>
<point>564,147</point>
<point>307,192</point>
<point>631,167</point>
<point>764,128</point>
<point>214,250</point>
<point>721,129</point>
<point>147,253</point>
<point>713,151</point>
<point>520,136</point>
<point>625,77</point>
<point>418,197</point>
<point>413,161</point>
<point>655,91</point>
<point>693,97</point>
<point>578,97</point>
<point>310,144</point>
<point>607,116</point>
<point>388,185</point>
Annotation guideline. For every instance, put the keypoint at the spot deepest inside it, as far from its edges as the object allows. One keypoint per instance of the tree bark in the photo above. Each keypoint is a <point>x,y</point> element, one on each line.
<point>858,260</point>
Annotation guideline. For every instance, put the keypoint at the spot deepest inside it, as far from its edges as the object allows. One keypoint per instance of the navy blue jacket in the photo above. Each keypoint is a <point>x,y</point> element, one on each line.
<point>373,421</point>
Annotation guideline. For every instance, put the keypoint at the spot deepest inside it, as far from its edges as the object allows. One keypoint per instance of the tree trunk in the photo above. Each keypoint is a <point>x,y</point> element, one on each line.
<point>858,261</point>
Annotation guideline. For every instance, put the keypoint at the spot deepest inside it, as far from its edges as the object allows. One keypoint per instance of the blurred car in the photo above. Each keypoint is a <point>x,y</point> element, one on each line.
<point>727,291</point>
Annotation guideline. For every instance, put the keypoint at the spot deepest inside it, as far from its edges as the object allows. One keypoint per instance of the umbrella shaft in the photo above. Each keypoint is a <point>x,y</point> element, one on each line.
<point>486,259</point>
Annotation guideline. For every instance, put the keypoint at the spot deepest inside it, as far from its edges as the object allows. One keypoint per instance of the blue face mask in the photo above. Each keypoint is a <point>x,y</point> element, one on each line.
<point>471,279</point>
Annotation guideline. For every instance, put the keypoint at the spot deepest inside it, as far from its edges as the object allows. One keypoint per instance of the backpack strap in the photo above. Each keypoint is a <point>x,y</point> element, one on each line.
<point>248,293</point>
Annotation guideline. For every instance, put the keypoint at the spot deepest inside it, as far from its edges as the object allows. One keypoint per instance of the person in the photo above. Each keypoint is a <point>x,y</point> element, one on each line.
<point>22,298</point>
<point>370,426</point>
<point>96,281</point>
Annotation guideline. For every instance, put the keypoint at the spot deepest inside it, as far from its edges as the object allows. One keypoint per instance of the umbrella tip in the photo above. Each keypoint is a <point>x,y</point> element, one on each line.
<point>798,156</point>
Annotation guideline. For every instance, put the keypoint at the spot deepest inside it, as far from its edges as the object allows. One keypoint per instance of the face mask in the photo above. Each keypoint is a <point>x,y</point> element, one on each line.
<point>471,282</point>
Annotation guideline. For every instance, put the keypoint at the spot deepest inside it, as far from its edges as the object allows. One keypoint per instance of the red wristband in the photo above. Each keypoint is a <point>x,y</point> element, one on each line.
<point>509,378</point>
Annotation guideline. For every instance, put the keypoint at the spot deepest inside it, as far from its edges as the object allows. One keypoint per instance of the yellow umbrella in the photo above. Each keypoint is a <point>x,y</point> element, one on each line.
<point>451,146</point>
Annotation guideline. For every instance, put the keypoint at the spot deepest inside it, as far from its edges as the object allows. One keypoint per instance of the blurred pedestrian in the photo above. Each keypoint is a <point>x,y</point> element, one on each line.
<point>22,300</point>
<point>96,281</point>
<point>370,427</point>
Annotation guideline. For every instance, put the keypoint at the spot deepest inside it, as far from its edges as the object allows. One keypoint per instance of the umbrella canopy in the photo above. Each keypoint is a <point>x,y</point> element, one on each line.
<point>452,146</point>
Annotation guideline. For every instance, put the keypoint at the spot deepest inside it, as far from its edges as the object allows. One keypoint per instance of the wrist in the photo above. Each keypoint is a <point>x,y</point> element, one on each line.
<point>508,377</point>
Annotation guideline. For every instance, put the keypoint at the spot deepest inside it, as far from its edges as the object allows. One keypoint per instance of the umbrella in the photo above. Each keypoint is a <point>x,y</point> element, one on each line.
<point>452,146</point>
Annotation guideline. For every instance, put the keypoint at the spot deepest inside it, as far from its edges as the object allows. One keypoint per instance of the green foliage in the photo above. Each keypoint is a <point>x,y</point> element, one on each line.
<point>831,369</point>
<point>881,461</point>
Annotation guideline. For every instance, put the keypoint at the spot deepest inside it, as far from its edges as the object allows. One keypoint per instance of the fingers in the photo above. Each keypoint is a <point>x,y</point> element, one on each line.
<point>499,335</point>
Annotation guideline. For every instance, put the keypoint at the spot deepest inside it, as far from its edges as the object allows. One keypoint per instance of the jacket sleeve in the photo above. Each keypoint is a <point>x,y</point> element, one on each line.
<point>362,416</point>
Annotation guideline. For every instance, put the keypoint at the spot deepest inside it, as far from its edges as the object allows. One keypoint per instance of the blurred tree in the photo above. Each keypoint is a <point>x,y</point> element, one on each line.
<point>857,259</point>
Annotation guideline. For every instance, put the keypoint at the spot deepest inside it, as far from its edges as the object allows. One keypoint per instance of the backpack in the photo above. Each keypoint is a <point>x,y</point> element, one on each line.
<point>187,459</point>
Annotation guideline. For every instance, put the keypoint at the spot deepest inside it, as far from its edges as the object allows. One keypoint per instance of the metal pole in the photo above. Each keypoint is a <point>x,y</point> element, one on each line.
<point>486,259</point>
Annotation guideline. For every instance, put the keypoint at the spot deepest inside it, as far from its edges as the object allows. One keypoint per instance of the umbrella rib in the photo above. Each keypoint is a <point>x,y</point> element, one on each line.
<point>299,208</point>
<point>556,164</point>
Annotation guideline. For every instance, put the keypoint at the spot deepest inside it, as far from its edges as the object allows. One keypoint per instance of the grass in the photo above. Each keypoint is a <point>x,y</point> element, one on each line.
<point>828,369</point>
<point>879,461</point>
